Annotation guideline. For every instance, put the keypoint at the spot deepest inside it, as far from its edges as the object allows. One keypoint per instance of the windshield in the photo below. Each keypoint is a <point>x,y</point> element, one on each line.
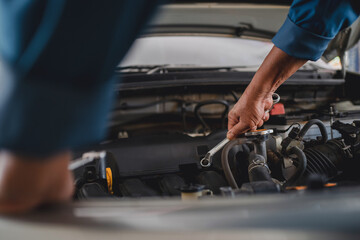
<point>204,51</point>
<point>196,50</point>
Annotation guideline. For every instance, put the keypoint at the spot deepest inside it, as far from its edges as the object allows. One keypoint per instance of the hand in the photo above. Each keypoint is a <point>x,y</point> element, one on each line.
<point>249,112</point>
<point>26,183</point>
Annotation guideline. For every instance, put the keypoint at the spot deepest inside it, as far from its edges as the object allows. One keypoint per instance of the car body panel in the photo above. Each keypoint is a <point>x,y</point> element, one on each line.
<point>242,19</point>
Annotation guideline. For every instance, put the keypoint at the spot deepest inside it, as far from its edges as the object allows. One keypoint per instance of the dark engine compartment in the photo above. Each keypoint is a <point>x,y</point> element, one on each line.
<point>154,148</point>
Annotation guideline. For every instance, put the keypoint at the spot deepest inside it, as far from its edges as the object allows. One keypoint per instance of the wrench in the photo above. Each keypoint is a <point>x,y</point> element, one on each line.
<point>276,99</point>
<point>207,160</point>
<point>85,159</point>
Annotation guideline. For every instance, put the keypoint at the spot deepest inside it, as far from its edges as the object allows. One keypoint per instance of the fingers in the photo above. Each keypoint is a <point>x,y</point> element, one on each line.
<point>232,120</point>
<point>266,116</point>
<point>247,116</point>
<point>240,128</point>
<point>237,127</point>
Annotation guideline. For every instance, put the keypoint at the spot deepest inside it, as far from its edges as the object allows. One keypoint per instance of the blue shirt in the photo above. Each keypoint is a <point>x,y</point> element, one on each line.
<point>58,56</point>
<point>57,63</point>
<point>312,24</point>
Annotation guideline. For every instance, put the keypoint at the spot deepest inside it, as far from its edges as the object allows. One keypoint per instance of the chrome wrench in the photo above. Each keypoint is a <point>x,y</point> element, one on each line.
<point>276,99</point>
<point>85,159</point>
<point>207,160</point>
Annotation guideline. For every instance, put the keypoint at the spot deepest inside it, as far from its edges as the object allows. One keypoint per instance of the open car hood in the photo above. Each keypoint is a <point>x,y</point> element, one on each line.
<point>238,19</point>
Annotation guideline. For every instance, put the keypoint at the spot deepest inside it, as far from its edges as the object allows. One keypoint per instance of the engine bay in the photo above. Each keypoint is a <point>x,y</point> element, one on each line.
<point>157,140</point>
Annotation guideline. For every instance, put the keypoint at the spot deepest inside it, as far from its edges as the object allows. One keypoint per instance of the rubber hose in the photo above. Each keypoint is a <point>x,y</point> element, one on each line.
<point>258,169</point>
<point>141,106</point>
<point>320,124</point>
<point>300,170</point>
<point>225,162</point>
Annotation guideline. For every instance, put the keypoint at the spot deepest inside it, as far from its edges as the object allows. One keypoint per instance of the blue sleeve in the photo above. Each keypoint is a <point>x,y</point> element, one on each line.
<point>312,24</point>
<point>57,62</point>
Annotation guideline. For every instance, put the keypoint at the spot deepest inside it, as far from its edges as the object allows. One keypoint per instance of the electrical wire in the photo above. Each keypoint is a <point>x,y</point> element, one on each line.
<point>183,105</point>
<point>125,106</point>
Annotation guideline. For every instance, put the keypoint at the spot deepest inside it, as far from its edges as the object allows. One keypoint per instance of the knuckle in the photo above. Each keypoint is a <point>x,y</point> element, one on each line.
<point>231,114</point>
<point>252,125</point>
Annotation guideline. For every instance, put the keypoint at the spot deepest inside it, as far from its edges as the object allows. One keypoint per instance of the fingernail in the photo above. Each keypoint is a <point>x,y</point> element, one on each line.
<point>230,135</point>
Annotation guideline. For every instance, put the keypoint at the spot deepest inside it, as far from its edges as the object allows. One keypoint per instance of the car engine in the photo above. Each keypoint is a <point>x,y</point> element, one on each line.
<point>257,163</point>
<point>157,140</point>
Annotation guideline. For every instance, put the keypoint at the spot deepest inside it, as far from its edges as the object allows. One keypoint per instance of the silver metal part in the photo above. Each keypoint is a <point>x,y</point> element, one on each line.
<point>207,160</point>
<point>288,162</point>
<point>278,139</point>
<point>259,132</point>
<point>86,158</point>
<point>259,138</point>
<point>276,99</point>
<point>295,143</point>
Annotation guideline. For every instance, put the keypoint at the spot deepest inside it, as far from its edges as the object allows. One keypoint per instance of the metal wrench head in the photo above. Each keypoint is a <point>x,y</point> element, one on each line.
<point>276,99</point>
<point>206,161</point>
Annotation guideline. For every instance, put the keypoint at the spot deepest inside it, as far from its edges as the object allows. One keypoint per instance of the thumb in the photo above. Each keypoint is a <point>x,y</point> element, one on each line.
<point>238,129</point>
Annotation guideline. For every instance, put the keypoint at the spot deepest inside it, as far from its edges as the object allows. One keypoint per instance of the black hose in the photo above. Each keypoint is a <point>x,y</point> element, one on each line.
<point>320,124</point>
<point>284,131</point>
<point>124,106</point>
<point>300,170</point>
<point>201,104</point>
<point>225,162</point>
<point>258,169</point>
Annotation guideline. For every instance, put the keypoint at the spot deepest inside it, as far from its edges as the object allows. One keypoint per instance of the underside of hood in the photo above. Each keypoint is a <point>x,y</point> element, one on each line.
<point>245,19</point>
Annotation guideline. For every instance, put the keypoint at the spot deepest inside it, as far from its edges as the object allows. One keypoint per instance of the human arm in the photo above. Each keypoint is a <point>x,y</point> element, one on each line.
<point>305,34</point>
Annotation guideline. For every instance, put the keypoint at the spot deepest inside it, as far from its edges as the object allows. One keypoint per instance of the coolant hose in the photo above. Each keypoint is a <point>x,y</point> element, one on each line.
<point>320,124</point>
<point>225,161</point>
<point>300,170</point>
<point>258,169</point>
